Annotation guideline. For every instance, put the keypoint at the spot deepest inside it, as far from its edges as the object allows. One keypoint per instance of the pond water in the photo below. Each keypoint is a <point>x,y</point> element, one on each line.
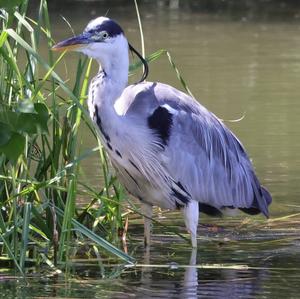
<point>236,67</point>
<point>232,261</point>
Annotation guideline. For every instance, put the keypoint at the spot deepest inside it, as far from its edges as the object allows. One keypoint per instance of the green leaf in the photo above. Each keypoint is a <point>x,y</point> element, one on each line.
<point>5,133</point>
<point>51,72</point>
<point>27,123</point>
<point>25,233</point>
<point>97,239</point>
<point>30,118</point>
<point>9,118</point>
<point>42,116</point>
<point>9,4</point>
<point>3,38</point>
<point>149,59</point>
<point>14,147</point>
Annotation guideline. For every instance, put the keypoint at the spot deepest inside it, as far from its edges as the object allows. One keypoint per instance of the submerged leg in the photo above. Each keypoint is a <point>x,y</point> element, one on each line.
<point>190,282</point>
<point>147,211</point>
<point>191,217</point>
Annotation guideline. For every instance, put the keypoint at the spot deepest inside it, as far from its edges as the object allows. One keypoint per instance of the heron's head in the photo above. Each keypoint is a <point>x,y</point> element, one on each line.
<point>102,39</point>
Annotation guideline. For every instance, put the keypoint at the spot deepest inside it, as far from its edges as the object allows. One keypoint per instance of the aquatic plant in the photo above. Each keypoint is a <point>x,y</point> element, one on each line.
<point>40,157</point>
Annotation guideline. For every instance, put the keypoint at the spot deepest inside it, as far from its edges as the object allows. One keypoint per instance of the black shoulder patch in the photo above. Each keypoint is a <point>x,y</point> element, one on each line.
<point>161,122</point>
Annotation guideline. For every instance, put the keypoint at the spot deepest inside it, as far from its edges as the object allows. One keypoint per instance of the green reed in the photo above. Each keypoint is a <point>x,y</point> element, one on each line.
<point>40,160</point>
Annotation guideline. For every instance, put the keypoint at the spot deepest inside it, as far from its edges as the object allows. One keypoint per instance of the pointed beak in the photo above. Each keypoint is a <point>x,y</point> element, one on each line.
<point>72,44</point>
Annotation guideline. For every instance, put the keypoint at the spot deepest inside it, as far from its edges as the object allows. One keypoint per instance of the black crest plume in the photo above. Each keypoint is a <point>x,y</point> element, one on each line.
<point>144,62</point>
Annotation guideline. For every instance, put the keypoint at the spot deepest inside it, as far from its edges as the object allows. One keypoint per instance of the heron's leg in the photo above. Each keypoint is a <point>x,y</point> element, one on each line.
<point>146,271</point>
<point>147,211</point>
<point>190,281</point>
<point>191,217</point>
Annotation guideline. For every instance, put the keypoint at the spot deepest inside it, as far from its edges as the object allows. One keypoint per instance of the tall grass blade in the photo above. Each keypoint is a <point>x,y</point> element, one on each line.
<point>154,56</point>
<point>140,27</point>
<point>25,233</point>
<point>178,74</point>
<point>98,240</point>
<point>61,83</point>
<point>11,254</point>
<point>69,211</point>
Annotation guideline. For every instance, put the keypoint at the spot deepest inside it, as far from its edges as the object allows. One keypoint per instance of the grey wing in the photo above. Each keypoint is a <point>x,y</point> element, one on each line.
<point>199,152</point>
<point>212,164</point>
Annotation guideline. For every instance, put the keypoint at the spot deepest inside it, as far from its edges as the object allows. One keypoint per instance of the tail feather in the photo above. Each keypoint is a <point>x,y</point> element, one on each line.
<point>266,194</point>
<point>209,210</point>
<point>262,199</point>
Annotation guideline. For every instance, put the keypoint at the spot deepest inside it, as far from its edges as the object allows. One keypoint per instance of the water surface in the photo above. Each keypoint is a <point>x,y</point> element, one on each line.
<point>231,262</point>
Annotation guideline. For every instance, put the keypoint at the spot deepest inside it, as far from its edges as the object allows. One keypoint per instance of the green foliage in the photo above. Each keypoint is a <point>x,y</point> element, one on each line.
<point>29,119</point>
<point>39,153</point>
<point>9,4</point>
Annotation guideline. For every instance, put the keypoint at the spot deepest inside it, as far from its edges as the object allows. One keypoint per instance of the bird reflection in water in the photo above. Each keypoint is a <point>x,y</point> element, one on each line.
<point>194,281</point>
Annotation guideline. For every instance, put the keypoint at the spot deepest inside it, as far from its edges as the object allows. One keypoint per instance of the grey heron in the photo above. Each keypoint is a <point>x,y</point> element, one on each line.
<point>168,150</point>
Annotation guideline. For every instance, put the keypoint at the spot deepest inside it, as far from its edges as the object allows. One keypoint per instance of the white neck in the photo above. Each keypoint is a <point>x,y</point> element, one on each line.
<point>113,60</point>
<point>116,69</point>
<point>112,81</point>
<point>109,84</point>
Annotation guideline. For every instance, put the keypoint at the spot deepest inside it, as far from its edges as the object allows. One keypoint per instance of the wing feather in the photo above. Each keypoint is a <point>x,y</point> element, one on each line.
<point>201,153</point>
